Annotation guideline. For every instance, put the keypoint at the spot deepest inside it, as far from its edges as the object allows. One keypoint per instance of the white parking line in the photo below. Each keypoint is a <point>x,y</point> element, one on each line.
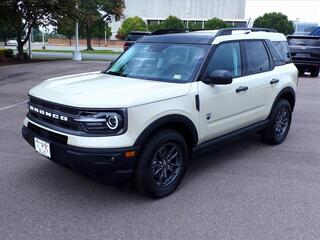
<point>13,105</point>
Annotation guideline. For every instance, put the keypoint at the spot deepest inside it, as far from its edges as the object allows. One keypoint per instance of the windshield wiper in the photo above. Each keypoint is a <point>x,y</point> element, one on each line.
<point>115,73</point>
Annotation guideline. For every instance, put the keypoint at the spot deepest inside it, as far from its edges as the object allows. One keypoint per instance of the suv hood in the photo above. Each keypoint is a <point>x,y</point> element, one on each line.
<point>99,90</point>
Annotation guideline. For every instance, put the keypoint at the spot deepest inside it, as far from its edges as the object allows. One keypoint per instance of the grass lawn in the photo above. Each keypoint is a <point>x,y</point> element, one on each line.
<point>83,51</point>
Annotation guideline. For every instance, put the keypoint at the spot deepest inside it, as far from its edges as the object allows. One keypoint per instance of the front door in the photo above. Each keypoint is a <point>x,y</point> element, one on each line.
<point>223,108</point>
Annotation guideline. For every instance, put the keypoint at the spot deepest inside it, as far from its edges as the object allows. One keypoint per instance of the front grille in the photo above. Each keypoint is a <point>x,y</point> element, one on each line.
<point>57,110</point>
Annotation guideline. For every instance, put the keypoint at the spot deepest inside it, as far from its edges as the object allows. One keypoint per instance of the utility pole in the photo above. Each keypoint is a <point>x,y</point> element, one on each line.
<point>77,53</point>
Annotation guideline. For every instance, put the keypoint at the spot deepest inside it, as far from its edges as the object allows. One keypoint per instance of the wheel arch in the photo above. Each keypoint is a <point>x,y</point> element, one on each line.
<point>177,122</point>
<point>288,93</point>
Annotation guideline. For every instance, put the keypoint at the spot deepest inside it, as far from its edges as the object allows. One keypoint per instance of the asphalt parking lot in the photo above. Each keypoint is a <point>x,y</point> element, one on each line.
<point>243,190</point>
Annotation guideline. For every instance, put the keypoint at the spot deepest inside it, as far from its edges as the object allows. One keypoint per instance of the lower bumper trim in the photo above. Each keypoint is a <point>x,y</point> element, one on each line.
<point>86,160</point>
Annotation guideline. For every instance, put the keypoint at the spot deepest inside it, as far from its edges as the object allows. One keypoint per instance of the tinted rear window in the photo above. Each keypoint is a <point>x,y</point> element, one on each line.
<point>134,37</point>
<point>257,58</point>
<point>304,42</point>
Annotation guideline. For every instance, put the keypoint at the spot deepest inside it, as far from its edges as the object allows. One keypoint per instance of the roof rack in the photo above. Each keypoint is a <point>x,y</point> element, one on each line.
<point>169,31</point>
<point>228,31</point>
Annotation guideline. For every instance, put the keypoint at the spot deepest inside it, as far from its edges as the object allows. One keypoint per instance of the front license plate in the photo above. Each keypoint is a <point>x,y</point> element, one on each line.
<point>42,147</point>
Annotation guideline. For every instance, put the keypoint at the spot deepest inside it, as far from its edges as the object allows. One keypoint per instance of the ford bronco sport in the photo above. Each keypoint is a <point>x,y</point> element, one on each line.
<point>162,99</point>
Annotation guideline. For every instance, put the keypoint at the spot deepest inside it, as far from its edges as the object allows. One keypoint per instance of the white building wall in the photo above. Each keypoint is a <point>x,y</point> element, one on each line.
<point>183,9</point>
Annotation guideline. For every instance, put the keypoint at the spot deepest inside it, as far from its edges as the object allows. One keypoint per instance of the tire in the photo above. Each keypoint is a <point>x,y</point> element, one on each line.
<point>280,122</point>
<point>301,71</point>
<point>315,72</point>
<point>154,175</point>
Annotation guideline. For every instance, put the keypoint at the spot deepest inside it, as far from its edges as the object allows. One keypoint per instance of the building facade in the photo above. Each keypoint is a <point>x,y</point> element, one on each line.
<point>231,11</point>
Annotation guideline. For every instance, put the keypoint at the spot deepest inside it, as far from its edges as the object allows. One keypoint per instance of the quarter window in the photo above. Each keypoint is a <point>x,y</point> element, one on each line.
<point>284,51</point>
<point>257,58</point>
<point>226,57</point>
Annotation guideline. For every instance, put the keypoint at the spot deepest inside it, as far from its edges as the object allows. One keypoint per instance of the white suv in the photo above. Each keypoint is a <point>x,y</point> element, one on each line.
<point>164,98</point>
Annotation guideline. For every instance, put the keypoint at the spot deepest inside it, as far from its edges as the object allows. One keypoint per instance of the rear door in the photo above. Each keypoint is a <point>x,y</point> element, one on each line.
<point>259,69</point>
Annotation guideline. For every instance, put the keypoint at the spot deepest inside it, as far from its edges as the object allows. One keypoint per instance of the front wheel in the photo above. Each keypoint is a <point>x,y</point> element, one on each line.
<point>280,122</point>
<point>162,164</point>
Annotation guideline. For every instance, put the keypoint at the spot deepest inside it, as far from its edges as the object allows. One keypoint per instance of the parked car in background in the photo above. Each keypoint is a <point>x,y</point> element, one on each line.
<point>305,52</point>
<point>133,37</point>
<point>12,43</point>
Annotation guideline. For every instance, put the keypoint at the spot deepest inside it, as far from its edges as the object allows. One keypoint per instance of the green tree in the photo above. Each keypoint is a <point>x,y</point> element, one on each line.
<point>99,28</point>
<point>195,25</point>
<point>66,27</point>
<point>91,11</point>
<point>172,22</point>
<point>24,15</point>
<point>6,30</point>
<point>153,27</point>
<point>276,21</point>
<point>131,24</point>
<point>215,23</point>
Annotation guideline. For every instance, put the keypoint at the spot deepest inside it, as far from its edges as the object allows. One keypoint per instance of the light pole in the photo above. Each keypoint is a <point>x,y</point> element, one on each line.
<point>105,35</point>
<point>77,53</point>
<point>30,44</point>
<point>43,43</point>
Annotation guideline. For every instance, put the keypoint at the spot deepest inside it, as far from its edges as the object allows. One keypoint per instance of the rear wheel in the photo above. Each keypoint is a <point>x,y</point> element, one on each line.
<point>315,72</point>
<point>280,122</point>
<point>162,164</point>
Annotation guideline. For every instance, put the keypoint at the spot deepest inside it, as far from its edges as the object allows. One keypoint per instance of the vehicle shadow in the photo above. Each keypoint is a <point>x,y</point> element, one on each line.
<point>223,154</point>
<point>72,183</point>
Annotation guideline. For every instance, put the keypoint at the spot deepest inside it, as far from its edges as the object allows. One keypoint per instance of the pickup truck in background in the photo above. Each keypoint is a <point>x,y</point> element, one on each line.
<point>305,52</point>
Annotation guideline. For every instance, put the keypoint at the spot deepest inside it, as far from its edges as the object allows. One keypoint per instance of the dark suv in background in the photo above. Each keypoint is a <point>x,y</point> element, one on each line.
<point>305,52</point>
<point>133,37</point>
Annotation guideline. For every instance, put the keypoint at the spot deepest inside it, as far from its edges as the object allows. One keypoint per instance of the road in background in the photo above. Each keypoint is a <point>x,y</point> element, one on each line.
<point>243,190</point>
<point>68,55</point>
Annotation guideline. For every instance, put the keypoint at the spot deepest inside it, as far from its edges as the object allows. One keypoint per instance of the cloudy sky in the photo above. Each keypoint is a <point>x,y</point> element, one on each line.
<point>304,10</point>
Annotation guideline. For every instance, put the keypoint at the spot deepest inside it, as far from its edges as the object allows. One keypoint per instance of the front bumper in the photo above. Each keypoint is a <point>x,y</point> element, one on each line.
<point>90,161</point>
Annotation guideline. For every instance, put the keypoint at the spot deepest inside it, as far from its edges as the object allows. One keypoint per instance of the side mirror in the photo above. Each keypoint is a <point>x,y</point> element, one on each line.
<point>219,77</point>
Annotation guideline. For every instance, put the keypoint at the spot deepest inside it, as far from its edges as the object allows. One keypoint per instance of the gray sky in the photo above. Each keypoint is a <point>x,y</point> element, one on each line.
<point>304,10</point>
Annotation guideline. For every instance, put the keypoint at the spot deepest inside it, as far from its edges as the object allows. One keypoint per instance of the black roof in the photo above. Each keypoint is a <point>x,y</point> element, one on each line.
<point>187,38</point>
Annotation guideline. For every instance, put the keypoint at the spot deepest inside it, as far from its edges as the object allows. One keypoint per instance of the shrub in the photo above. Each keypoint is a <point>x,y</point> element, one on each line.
<point>2,55</point>
<point>153,27</point>
<point>172,22</point>
<point>131,24</point>
<point>195,25</point>
<point>8,53</point>
<point>276,21</point>
<point>215,23</point>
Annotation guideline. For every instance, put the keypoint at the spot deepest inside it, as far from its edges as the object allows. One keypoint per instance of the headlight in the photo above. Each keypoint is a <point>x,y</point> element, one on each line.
<point>102,122</point>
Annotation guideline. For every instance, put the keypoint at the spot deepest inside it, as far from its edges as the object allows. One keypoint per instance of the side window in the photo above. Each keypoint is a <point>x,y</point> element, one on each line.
<point>257,58</point>
<point>226,57</point>
<point>276,56</point>
<point>284,51</point>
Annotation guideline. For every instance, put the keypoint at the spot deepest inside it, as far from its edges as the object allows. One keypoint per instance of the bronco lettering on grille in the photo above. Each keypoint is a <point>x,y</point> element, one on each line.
<point>48,114</point>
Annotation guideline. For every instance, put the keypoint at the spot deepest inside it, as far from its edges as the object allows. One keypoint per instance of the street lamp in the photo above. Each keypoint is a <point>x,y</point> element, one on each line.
<point>77,53</point>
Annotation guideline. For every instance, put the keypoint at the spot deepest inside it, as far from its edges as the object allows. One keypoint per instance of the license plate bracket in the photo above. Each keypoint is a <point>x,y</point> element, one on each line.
<point>42,147</point>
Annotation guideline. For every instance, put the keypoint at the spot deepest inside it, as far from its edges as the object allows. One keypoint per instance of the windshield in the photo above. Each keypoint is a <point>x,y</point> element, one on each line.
<point>177,63</point>
<point>304,42</point>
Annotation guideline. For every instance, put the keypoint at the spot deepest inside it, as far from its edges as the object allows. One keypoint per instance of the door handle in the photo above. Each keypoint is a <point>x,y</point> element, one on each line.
<point>274,81</point>
<point>242,89</point>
